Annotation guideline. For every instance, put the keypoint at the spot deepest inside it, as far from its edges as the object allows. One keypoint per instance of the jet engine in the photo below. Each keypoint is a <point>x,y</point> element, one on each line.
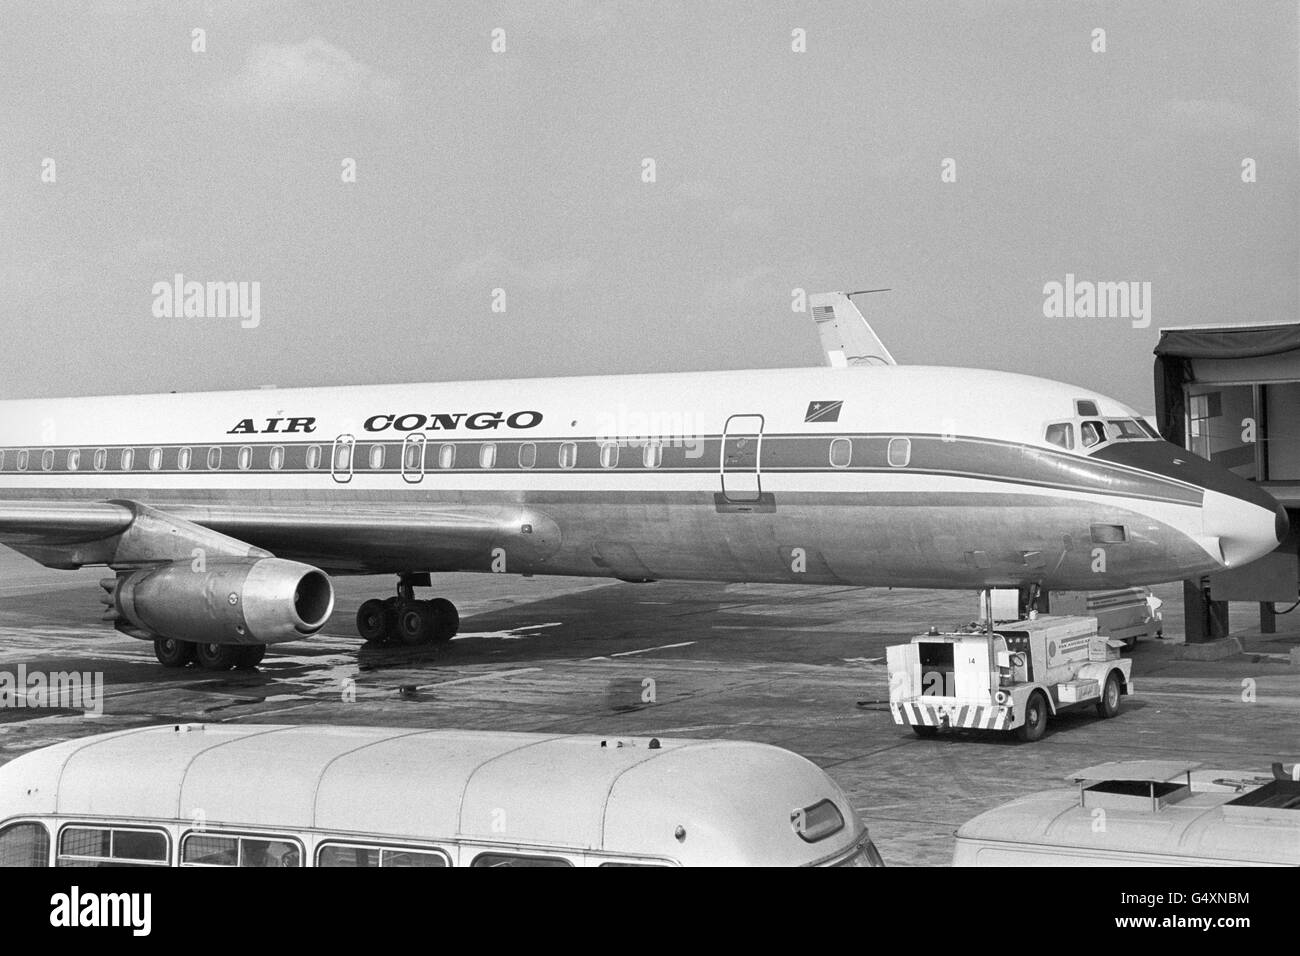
<point>262,601</point>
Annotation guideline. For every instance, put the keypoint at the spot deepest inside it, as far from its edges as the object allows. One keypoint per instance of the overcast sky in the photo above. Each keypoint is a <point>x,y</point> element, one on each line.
<point>523,170</point>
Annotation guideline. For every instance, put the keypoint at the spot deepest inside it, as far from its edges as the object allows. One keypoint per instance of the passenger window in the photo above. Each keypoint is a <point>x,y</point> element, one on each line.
<point>527,455</point>
<point>155,459</point>
<point>343,456</point>
<point>245,459</point>
<point>568,454</point>
<point>219,850</point>
<point>74,459</point>
<point>1092,433</point>
<point>110,846</point>
<point>313,457</point>
<point>2,459</point>
<point>128,459</point>
<point>900,452</point>
<point>487,455</point>
<point>47,460</point>
<point>214,458</point>
<point>412,452</point>
<point>101,459</point>
<point>1061,434</point>
<point>841,452</point>
<point>22,460</point>
<point>447,456</point>
<point>609,454</point>
<point>652,456</point>
<point>376,457</point>
<point>25,844</point>
<point>355,855</point>
<point>183,458</point>
<point>517,859</point>
<point>277,457</point>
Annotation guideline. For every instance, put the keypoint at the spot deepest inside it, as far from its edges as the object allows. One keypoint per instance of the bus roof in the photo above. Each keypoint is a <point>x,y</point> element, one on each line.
<point>733,800</point>
<point>1201,823</point>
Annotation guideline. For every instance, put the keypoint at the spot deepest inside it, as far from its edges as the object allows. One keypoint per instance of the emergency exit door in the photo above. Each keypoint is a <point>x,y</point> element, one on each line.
<point>742,446</point>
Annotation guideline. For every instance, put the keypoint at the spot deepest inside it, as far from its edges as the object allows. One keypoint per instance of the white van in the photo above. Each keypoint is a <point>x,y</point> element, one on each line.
<point>223,795</point>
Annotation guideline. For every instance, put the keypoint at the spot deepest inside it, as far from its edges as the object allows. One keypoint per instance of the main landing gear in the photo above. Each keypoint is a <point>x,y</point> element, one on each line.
<point>211,657</point>
<point>403,618</point>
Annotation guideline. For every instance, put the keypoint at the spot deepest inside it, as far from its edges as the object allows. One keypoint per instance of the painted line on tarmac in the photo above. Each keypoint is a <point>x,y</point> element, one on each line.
<point>478,677</point>
<point>647,650</point>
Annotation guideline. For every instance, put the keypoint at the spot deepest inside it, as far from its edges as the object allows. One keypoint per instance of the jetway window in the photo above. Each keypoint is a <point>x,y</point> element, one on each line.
<point>101,459</point>
<point>487,455</point>
<point>376,457</point>
<point>527,455</point>
<point>277,458</point>
<point>447,456</point>
<point>22,459</point>
<point>1061,434</point>
<point>47,460</point>
<point>609,454</point>
<point>568,454</point>
<point>128,459</point>
<point>183,458</point>
<point>900,452</point>
<point>155,459</point>
<point>245,459</point>
<point>313,457</point>
<point>214,459</point>
<point>652,456</point>
<point>841,452</point>
<point>74,459</point>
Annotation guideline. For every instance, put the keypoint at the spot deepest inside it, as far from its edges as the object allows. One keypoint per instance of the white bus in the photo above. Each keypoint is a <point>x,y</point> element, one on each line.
<point>1143,813</point>
<point>223,795</point>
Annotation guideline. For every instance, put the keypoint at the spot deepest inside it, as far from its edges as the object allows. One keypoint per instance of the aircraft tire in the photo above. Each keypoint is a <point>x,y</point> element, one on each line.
<point>414,623</point>
<point>446,620</point>
<point>374,621</point>
<point>249,656</point>
<point>216,657</point>
<point>173,653</point>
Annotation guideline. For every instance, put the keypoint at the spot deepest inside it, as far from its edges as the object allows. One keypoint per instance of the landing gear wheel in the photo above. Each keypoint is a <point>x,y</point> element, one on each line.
<point>173,653</point>
<point>446,619</point>
<point>249,656</point>
<point>374,621</point>
<point>216,657</point>
<point>1035,724</point>
<point>1108,706</point>
<point>415,623</point>
<point>925,730</point>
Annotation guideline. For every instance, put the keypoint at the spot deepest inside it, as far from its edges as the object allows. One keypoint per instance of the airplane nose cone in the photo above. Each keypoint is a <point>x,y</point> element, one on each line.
<point>1246,530</point>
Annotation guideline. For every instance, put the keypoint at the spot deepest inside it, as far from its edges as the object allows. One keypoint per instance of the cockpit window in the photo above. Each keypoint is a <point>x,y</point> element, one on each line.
<point>1124,429</point>
<point>1092,433</point>
<point>1083,406</point>
<point>1151,432</point>
<point>1061,434</point>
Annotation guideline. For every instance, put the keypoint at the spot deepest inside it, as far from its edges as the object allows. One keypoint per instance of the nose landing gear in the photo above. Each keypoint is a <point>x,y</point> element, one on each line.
<point>405,619</point>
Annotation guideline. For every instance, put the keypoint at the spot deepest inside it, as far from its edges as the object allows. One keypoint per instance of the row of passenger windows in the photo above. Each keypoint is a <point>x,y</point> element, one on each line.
<point>376,457</point>
<point>28,844</point>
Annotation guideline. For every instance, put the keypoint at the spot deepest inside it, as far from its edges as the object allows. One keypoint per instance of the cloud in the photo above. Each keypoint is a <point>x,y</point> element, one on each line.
<point>1211,116</point>
<point>312,75</point>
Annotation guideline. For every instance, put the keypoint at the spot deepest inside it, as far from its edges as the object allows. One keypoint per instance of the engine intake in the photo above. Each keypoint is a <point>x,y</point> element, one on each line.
<point>266,601</point>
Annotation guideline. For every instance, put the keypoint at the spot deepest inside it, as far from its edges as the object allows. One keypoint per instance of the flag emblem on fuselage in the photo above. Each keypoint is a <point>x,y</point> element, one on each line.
<point>823,412</point>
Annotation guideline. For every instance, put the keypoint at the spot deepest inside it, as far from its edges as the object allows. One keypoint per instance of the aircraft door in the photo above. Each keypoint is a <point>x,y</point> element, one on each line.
<point>742,445</point>
<point>341,459</point>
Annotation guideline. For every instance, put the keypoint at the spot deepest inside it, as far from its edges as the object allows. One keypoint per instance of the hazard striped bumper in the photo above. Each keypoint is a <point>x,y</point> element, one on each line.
<point>972,716</point>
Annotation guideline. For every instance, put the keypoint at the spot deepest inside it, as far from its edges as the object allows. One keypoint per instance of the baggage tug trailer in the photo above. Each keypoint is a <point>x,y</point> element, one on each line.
<point>1010,679</point>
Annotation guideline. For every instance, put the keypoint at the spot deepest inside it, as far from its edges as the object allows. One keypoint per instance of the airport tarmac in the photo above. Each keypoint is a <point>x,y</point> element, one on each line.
<point>799,667</point>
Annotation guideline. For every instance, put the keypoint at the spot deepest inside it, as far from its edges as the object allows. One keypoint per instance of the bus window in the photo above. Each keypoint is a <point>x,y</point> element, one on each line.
<point>355,855</point>
<point>110,846</point>
<point>1092,433</point>
<point>25,844</point>
<point>1061,434</point>
<point>517,859</point>
<point>209,849</point>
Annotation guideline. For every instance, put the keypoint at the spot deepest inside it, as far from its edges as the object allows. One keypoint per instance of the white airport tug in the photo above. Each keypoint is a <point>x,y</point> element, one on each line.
<point>1010,678</point>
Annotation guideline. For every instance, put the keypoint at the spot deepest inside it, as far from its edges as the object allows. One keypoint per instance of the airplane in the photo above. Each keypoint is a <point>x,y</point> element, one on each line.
<point>222,516</point>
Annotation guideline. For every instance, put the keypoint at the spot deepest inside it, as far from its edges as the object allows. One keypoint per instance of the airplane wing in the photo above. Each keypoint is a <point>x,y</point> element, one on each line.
<point>846,336</point>
<point>361,540</point>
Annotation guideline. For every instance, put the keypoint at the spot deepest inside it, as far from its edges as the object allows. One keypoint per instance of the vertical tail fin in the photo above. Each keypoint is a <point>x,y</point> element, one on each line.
<point>847,338</point>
